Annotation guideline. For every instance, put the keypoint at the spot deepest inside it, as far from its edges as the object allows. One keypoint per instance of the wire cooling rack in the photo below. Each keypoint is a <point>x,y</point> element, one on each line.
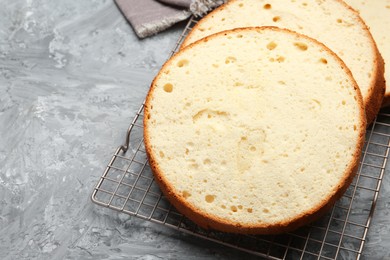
<point>127,185</point>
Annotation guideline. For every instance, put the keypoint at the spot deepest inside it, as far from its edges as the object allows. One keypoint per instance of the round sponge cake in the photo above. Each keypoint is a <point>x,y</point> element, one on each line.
<point>331,22</point>
<point>254,130</point>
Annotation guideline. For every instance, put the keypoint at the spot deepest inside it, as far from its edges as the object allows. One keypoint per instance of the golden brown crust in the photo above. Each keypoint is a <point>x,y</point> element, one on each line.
<point>375,96</point>
<point>212,222</point>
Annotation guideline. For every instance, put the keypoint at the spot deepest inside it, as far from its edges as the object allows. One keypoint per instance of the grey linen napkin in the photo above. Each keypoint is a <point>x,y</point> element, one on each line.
<point>148,17</point>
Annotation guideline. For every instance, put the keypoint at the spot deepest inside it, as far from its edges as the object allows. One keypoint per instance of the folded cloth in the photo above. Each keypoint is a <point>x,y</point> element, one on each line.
<point>148,17</point>
<point>182,3</point>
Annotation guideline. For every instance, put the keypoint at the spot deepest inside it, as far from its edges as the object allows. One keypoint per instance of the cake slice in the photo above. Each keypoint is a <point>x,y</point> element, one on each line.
<point>254,130</point>
<point>331,22</point>
<point>376,14</point>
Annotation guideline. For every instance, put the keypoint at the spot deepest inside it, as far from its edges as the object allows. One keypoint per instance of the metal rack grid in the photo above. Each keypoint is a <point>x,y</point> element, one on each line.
<point>127,185</point>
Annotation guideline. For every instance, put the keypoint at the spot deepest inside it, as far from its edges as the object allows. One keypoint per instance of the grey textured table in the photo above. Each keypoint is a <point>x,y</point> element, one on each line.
<point>72,75</point>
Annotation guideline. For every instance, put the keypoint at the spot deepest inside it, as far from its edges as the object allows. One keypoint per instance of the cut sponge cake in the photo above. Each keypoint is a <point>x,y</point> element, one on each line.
<point>254,130</point>
<point>331,22</point>
<point>376,13</point>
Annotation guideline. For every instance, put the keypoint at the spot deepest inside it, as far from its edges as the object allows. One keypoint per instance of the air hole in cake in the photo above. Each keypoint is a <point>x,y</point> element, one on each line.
<point>302,169</point>
<point>239,36</point>
<point>354,127</point>
<point>339,20</point>
<point>280,59</point>
<point>238,84</point>
<point>264,161</point>
<point>343,102</point>
<point>194,165</point>
<point>300,45</point>
<point>324,61</point>
<point>209,198</point>
<point>276,19</point>
<point>230,59</point>
<point>202,29</point>
<point>205,181</point>
<point>187,151</point>
<point>266,210</point>
<point>241,5</point>
<point>162,155</point>
<point>329,78</point>
<point>267,6</point>
<point>207,161</point>
<point>252,149</point>
<point>233,208</point>
<point>249,210</point>
<point>304,4</point>
<point>148,116</point>
<point>168,87</point>
<point>281,82</point>
<point>271,46</point>
<point>223,206</point>
<point>182,63</point>
<point>186,194</point>
<point>240,206</point>
<point>215,65</point>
